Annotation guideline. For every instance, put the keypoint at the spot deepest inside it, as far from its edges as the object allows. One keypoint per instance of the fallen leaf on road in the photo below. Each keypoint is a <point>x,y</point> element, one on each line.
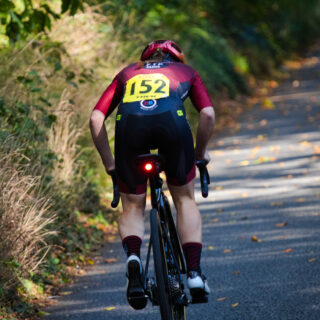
<point>222,299</point>
<point>316,149</point>
<point>218,188</point>
<point>234,305</point>
<point>273,84</point>
<point>263,122</point>
<point>65,293</point>
<point>276,204</point>
<point>90,261</point>
<point>301,200</point>
<point>305,144</point>
<point>255,239</point>
<point>109,308</point>
<point>312,260</point>
<point>296,83</point>
<point>110,260</point>
<point>282,224</point>
<point>227,250</point>
<point>267,104</point>
<point>244,195</point>
<point>219,210</point>
<point>244,163</point>
<point>236,272</point>
<point>215,220</point>
<point>42,313</point>
<point>211,248</point>
<point>287,250</point>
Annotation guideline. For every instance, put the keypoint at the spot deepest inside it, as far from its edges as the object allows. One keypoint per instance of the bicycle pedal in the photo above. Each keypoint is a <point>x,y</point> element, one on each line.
<point>138,302</point>
<point>198,296</point>
<point>196,300</point>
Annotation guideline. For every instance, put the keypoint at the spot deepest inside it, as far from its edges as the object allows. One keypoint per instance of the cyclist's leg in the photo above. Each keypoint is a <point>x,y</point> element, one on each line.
<point>190,231</point>
<point>188,215</point>
<point>131,221</point>
<point>133,197</point>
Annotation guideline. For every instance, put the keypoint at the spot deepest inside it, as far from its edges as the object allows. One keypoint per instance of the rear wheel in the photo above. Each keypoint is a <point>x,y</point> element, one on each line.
<point>176,266</point>
<point>160,267</point>
<point>170,289</point>
<point>174,237</point>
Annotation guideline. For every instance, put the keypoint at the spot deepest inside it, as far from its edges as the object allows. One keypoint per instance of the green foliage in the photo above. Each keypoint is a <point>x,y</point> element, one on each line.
<point>19,19</point>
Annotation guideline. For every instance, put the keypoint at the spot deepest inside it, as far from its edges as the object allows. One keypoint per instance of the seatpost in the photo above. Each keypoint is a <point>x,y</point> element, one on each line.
<point>155,185</point>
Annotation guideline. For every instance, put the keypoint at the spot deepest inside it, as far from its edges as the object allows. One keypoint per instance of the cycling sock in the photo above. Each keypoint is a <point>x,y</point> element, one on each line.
<point>192,253</point>
<point>132,245</point>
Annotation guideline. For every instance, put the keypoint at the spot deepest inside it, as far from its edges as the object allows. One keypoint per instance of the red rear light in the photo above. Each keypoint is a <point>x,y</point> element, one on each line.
<point>148,167</point>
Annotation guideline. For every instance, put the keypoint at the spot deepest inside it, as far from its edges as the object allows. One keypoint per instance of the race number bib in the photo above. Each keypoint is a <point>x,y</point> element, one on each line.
<point>146,87</point>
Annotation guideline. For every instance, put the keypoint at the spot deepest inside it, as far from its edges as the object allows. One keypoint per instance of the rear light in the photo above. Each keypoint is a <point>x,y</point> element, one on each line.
<point>148,167</point>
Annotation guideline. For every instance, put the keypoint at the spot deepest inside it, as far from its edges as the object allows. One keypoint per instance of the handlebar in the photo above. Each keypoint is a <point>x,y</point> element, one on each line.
<point>204,179</point>
<point>116,193</point>
<point>204,176</point>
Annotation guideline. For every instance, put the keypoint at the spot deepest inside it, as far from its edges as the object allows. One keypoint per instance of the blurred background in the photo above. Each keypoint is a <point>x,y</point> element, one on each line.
<point>57,57</point>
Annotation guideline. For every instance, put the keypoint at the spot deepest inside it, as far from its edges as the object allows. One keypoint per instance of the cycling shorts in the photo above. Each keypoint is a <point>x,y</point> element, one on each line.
<point>137,134</point>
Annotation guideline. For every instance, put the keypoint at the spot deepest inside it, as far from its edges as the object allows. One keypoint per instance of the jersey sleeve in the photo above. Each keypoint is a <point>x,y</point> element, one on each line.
<point>198,93</point>
<point>110,98</point>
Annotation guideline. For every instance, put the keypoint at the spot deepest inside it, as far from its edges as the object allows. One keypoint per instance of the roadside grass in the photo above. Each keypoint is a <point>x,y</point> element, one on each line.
<point>53,212</point>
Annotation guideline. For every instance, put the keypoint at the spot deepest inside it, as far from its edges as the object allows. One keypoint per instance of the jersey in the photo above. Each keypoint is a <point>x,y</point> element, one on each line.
<point>143,88</point>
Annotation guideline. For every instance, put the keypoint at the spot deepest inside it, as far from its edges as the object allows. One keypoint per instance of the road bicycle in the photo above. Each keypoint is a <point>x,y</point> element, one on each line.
<point>166,289</point>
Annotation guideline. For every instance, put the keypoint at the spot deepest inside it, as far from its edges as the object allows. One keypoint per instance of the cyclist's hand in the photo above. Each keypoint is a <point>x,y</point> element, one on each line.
<point>111,171</point>
<point>205,157</point>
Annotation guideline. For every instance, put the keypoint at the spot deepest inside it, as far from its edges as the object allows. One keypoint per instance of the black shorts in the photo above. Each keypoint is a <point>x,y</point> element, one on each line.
<point>136,134</point>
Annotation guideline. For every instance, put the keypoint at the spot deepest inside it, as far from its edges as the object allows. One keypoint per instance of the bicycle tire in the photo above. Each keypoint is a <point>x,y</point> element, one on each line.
<point>177,248</point>
<point>160,266</point>
<point>179,310</point>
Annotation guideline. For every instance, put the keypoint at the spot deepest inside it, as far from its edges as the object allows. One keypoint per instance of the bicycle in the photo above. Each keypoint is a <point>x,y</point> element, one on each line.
<point>166,289</point>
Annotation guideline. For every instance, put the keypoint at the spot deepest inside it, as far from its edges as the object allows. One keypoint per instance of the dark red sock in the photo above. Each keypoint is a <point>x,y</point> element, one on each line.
<point>132,245</point>
<point>192,253</point>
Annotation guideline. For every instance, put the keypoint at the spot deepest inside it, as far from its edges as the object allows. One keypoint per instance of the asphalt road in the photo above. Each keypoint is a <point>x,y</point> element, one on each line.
<point>266,177</point>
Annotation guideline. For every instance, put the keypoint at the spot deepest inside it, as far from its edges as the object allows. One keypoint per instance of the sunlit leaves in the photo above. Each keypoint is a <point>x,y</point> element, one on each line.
<point>72,6</point>
<point>33,17</point>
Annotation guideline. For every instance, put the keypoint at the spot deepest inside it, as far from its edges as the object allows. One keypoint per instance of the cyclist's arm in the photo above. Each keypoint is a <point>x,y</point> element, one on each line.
<point>100,139</point>
<point>204,132</point>
<point>106,104</point>
<point>202,102</point>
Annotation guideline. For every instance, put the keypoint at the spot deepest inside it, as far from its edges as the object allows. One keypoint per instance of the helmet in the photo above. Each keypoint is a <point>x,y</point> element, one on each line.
<point>165,46</point>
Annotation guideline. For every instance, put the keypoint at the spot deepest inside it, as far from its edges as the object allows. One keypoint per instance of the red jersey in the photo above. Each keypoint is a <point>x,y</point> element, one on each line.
<point>154,80</point>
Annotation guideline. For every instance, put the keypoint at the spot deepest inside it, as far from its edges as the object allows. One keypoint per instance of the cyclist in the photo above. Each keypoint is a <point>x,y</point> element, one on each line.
<point>151,115</point>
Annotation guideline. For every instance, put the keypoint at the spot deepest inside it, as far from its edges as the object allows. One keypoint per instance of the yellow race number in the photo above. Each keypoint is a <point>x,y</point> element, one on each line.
<point>146,87</point>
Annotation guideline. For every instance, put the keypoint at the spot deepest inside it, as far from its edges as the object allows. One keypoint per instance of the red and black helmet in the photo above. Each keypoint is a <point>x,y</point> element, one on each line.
<point>165,46</point>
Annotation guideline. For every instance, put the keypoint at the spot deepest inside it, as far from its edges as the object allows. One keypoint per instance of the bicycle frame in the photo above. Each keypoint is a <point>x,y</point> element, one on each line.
<point>158,202</point>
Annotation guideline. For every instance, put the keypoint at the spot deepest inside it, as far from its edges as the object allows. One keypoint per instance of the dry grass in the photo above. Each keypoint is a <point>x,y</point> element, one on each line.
<point>63,137</point>
<point>24,220</point>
